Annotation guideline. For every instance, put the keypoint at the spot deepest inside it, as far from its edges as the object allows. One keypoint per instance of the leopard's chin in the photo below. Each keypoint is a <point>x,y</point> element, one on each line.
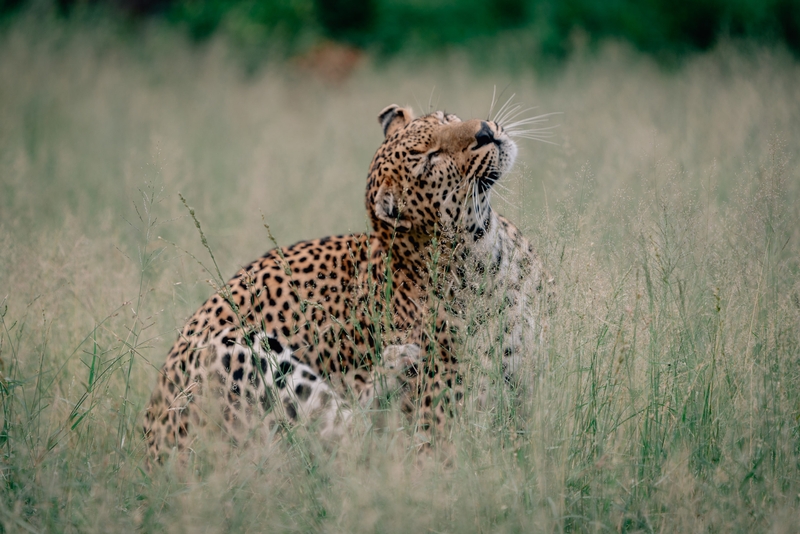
<point>486,181</point>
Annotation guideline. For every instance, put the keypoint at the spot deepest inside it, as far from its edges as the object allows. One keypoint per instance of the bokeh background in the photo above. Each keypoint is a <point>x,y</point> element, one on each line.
<point>667,206</point>
<point>540,27</point>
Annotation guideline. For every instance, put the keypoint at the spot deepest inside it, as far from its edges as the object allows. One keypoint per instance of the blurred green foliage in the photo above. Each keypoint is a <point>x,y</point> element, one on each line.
<point>547,27</point>
<point>250,21</point>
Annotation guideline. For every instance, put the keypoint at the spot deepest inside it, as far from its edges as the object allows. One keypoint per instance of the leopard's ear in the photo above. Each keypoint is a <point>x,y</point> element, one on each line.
<point>389,209</point>
<point>393,118</point>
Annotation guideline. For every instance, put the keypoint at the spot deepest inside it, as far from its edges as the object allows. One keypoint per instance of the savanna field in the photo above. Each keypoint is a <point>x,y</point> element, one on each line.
<point>667,207</point>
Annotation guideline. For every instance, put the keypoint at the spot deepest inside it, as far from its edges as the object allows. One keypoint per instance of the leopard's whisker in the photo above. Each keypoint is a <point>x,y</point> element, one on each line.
<point>502,109</point>
<point>504,199</point>
<point>543,132</point>
<point>533,134</point>
<point>518,111</point>
<point>519,129</point>
<point>474,201</point>
<point>502,186</point>
<point>461,184</point>
<point>543,139</point>
<point>510,113</point>
<point>530,120</point>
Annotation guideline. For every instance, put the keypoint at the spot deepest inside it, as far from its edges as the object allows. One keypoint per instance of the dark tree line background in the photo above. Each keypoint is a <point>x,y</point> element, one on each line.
<point>389,26</point>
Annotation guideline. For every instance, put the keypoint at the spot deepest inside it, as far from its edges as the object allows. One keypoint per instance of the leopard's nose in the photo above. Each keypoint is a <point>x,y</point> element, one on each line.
<point>485,135</point>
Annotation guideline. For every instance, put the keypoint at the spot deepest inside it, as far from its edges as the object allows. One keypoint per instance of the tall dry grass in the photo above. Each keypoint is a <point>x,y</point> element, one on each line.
<point>668,212</point>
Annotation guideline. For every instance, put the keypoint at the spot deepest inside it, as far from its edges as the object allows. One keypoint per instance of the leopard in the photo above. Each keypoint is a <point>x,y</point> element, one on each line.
<point>312,333</point>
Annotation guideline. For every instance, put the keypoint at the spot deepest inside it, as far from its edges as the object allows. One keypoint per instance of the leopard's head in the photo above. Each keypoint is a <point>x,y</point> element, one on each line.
<point>435,172</point>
